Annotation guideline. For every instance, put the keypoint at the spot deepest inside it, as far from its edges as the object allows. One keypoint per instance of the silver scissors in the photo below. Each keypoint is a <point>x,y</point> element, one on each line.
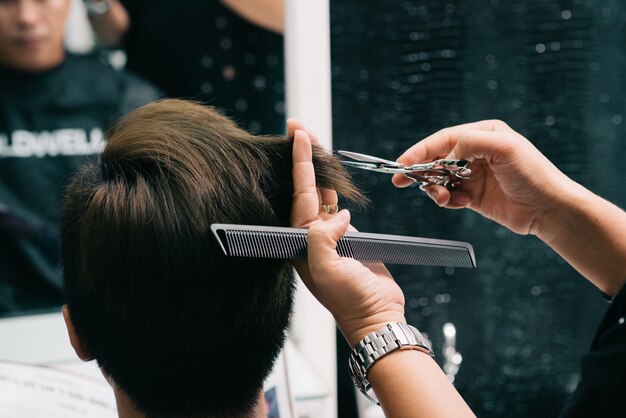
<point>448,173</point>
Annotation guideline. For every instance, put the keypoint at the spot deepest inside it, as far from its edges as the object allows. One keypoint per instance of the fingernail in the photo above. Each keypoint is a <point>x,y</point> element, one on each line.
<point>433,194</point>
<point>400,181</point>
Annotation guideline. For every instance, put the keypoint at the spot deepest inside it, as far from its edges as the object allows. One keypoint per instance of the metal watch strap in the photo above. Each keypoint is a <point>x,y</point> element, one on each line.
<point>391,337</point>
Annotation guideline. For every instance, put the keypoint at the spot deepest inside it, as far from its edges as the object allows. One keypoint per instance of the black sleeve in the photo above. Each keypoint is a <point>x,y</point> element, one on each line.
<point>132,8</point>
<point>601,391</point>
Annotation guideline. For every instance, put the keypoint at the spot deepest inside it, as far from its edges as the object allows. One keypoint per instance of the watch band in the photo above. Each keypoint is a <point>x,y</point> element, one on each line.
<point>378,344</point>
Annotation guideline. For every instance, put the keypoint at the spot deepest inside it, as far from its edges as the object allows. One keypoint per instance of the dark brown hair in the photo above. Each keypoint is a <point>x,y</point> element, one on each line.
<point>181,329</point>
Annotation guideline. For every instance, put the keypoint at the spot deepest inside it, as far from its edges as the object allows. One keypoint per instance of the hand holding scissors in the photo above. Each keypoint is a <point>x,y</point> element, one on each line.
<point>445,172</point>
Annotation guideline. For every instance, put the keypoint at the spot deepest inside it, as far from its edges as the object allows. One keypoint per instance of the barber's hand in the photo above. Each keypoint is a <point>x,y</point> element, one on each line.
<point>361,298</point>
<point>512,183</point>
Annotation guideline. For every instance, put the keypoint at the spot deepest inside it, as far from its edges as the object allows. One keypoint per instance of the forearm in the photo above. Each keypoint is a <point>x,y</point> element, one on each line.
<point>409,383</point>
<point>112,26</point>
<point>269,14</point>
<point>590,234</point>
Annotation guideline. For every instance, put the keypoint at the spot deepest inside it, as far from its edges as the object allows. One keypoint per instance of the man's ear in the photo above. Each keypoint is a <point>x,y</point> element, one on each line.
<point>79,347</point>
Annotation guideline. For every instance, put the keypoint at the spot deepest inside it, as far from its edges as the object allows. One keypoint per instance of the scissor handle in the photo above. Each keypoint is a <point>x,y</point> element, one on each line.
<point>447,173</point>
<point>456,168</point>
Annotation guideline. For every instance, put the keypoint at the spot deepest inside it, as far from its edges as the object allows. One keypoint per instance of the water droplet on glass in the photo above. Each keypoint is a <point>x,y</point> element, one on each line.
<point>207,61</point>
<point>617,119</point>
<point>226,43</point>
<point>228,72</point>
<point>220,22</point>
<point>206,87</point>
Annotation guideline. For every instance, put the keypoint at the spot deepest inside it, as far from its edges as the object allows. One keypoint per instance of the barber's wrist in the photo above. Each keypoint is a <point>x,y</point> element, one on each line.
<point>354,330</point>
<point>568,199</point>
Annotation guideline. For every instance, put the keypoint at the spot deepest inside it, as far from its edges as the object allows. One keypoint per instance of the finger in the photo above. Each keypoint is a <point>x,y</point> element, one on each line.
<point>458,200</point>
<point>492,146</point>
<point>432,147</point>
<point>400,180</point>
<point>293,125</point>
<point>444,143</point>
<point>331,200</point>
<point>323,237</point>
<point>314,139</point>
<point>439,194</point>
<point>322,214</point>
<point>328,196</point>
<point>305,206</point>
<point>445,198</point>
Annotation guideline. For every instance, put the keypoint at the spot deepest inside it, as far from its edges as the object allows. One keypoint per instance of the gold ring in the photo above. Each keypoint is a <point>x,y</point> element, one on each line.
<point>330,209</point>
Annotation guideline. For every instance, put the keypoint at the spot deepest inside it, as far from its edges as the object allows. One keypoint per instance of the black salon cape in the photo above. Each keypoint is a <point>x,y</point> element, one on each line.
<point>49,123</point>
<point>602,388</point>
<point>202,50</point>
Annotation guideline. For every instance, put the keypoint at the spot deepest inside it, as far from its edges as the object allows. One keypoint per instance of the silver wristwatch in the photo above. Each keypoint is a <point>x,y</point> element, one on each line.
<point>378,344</point>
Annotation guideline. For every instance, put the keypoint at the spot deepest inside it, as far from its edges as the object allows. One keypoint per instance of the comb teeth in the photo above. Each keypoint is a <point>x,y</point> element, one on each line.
<point>291,243</point>
<point>393,252</point>
<point>266,244</point>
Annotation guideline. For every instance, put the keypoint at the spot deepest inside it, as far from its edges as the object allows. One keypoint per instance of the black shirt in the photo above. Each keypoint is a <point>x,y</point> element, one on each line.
<point>602,387</point>
<point>201,50</point>
<point>50,122</point>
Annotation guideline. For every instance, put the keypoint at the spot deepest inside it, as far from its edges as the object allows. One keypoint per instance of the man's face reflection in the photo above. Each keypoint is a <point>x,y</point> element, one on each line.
<point>31,34</point>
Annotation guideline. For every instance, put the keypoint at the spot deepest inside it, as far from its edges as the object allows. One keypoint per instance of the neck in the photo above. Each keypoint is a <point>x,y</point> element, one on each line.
<point>126,408</point>
<point>34,68</point>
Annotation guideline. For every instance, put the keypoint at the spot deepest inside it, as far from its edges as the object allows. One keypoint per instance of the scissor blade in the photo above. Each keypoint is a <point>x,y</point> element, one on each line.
<point>374,167</point>
<point>368,158</point>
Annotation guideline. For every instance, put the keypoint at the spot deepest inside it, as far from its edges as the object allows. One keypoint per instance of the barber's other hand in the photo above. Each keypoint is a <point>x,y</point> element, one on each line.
<point>512,183</point>
<point>361,298</point>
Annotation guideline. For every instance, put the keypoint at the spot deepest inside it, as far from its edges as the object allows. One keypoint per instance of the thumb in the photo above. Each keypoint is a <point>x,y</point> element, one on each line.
<point>323,237</point>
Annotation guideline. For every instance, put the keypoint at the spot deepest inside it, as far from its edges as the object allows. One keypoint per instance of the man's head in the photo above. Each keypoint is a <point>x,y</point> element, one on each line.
<point>31,34</point>
<point>181,329</point>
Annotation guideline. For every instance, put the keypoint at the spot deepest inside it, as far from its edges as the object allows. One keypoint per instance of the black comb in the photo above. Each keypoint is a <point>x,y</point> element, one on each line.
<point>289,243</point>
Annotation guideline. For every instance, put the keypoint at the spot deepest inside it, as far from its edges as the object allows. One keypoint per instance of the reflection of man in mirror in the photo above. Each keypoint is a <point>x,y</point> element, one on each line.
<point>180,329</point>
<point>226,53</point>
<point>53,110</point>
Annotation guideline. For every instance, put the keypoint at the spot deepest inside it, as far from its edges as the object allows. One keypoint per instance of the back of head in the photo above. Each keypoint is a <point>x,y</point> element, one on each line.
<point>182,330</point>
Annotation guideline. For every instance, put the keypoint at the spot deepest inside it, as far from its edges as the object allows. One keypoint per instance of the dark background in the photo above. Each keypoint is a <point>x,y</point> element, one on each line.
<point>555,72</point>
